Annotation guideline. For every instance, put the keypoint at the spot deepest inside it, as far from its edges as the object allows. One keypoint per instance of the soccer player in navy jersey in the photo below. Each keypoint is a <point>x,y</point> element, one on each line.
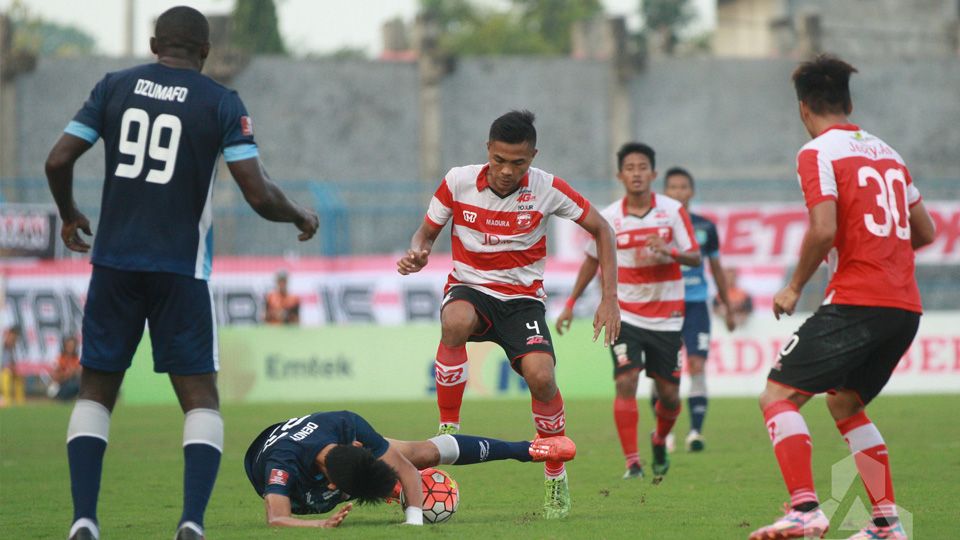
<point>311,464</point>
<point>164,126</point>
<point>678,183</point>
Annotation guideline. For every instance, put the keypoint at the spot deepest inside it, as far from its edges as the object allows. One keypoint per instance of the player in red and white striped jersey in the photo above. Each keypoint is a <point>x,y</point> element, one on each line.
<point>866,214</point>
<point>495,292</point>
<point>654,237</point>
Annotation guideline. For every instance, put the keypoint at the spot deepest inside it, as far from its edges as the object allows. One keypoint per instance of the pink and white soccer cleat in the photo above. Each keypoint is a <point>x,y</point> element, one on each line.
<point>875,532</point>
<point>795,524</point>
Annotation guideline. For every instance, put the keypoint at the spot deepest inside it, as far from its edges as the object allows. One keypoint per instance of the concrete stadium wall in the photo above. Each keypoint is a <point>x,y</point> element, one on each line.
<point>350,120</point>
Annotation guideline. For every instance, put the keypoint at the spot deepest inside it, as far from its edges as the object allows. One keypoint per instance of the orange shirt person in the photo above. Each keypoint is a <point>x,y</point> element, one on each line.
<point>282,307</point>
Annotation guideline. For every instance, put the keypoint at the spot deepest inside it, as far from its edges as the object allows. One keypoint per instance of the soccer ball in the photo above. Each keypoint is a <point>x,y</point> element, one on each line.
<point>441,495</point>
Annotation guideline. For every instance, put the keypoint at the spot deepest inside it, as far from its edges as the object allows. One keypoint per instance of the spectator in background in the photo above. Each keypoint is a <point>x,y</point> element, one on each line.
<point>282,307</point>
<point>741,304</point>
<point>11,383</point>
<point>65,383</point>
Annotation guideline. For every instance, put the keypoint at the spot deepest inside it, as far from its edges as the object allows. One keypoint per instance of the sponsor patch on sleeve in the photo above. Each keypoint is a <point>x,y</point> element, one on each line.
<point>246,125</point>
<point>278,477</point>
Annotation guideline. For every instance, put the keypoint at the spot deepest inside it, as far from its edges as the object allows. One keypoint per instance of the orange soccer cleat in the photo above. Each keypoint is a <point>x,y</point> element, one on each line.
<point>557,448</point>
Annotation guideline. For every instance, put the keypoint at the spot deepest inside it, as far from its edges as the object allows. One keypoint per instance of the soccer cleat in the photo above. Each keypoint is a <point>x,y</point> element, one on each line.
<point>876,532</point>
<point>556,503</point>
<point>795,524</point>
<point>661,460</point>
<point>635,470</point>
<point>84,529</point>
<point>695,442</point>
<point>557,448</point>
<point>189,531</point>
<point>448,429</point>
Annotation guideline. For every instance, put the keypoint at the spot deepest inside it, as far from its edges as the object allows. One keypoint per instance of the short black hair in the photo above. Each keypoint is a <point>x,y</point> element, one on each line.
<point>357,473</point>
<point>679,171</point>
<point>182,27</point>
<point>515,127</point>
<point>824,84</point>
<point>636,148</point>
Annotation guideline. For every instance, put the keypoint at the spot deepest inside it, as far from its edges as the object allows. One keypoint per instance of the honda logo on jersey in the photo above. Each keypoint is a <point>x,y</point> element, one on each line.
<point>246,125</point>
<point>469,217</point>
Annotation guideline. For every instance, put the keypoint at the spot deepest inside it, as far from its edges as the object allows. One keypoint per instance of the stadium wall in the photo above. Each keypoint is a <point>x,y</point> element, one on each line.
<point>358,120</point>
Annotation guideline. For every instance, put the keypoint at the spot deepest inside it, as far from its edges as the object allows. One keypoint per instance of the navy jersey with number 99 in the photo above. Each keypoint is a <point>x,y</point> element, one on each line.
<point>163,130</point>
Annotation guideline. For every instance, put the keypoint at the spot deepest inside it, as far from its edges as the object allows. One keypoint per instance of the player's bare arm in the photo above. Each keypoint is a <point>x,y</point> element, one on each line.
<point>279,514</point>
<point>659,246</point>
<point>584,276</point>
<point>922,229</point>
<point>608,312</point>
<point>59,167</point>
<point>420,247</point>
<point>268,200</point>
<point>720,278</point>
<point>817,242</point>
<point>410,480</point>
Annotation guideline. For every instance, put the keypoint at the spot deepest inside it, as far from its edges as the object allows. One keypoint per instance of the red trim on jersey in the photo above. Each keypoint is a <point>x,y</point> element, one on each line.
<point>444,195</point>
<point>649,274</point>
<point>843,127</point>
<point>483,184</point>
<point>501,288</point>
<point>432,222</point>
<point>562,186</point>
<point>499,260</point>
<point>623,205</point>
<point>495,221</point>
<point>694,245</point>
<point>660,309</point>
<point>632,238</point>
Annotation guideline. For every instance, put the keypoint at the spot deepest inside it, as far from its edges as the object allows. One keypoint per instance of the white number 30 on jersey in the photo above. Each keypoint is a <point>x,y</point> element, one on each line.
<point>156,150</point>
<point>892,202</point>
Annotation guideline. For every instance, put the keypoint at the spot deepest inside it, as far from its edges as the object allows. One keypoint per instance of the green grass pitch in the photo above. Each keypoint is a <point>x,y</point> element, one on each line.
<point>725,492</point>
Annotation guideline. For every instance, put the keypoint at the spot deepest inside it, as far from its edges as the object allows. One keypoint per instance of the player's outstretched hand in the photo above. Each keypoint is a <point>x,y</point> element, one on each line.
<point>564,320</point>
<point>308,223</point>
<point>785,301</point>
<point>607,318</point>
<point>336,519</point>
<point>413,261</point>
<point>70,232</point>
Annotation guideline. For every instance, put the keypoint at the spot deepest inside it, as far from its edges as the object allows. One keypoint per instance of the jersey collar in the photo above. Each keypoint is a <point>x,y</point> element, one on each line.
<point>623,204</point>
<point>482,183</point>
<point>843,127</point>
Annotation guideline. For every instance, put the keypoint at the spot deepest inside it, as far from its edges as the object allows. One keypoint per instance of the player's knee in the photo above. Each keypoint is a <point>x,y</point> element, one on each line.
<point>626,384</point>
<point>457,323</point>
<point>843,405</point>
<point>695,365</point>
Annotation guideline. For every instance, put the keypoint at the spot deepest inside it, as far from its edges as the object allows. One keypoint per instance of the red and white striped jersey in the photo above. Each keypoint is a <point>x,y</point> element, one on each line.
<point>872,259</point>
<point>500,243</point>
<point>650,286</point>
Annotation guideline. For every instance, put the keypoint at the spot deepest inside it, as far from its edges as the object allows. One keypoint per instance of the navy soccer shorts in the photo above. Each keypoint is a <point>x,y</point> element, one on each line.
<point>846,347</point>
<point>518,326</point>
<point>656,351</point>
<point>696,329</point>
<point>178,309</point>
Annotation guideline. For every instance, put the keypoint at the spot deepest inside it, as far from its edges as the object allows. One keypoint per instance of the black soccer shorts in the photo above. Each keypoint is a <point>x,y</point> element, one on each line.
<point>656,351</point>
<point>518,326</point>
<point>846,347</point>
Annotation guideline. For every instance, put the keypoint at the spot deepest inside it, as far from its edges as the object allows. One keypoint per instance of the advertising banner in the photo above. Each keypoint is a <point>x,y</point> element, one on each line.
<point>28,231</point>
<point>373,363</point>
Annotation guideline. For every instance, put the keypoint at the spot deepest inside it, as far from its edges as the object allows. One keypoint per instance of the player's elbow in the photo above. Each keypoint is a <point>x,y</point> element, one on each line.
<point>923,236</point>
<point>57,161</point>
